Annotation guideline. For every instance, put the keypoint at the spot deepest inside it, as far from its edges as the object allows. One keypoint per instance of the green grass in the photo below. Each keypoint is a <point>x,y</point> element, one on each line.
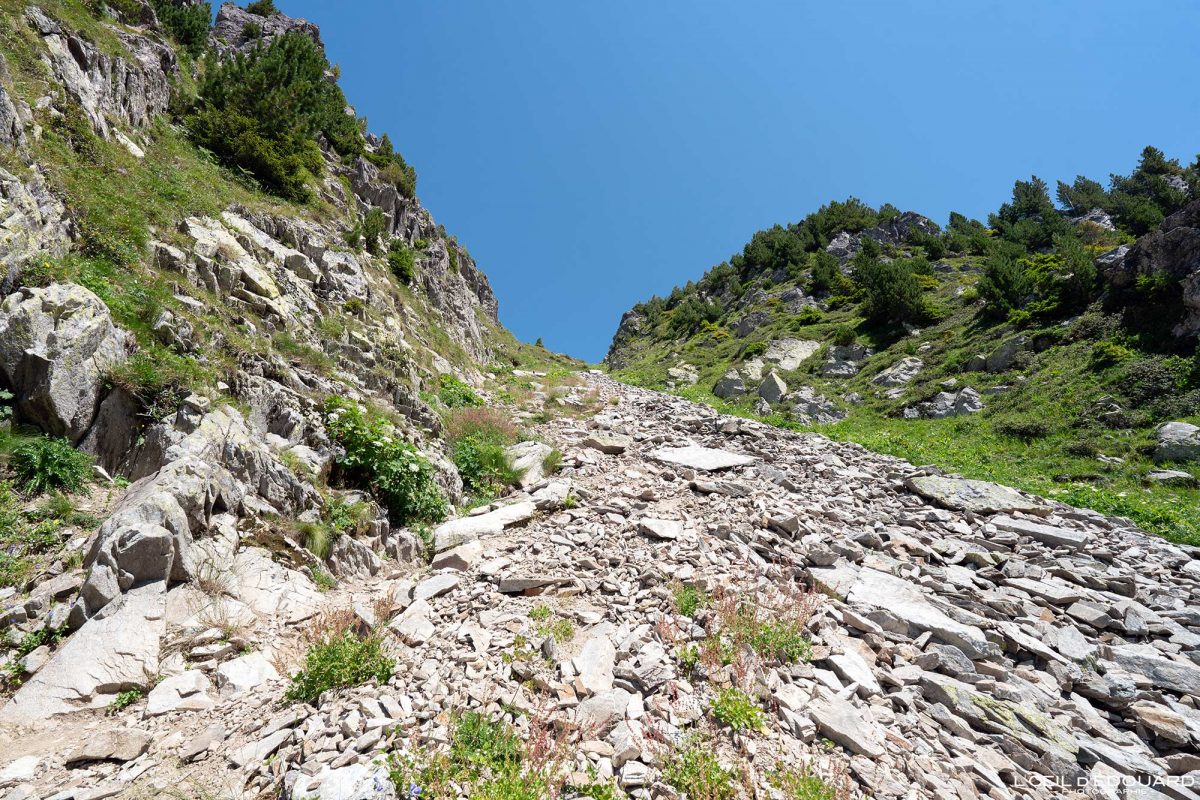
<point>1035,436</point>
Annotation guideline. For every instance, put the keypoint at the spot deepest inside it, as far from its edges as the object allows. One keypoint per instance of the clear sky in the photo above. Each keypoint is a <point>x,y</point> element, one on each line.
<point>590,154</point>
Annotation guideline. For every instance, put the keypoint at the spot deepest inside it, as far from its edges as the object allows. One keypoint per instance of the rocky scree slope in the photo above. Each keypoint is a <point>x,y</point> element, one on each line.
<point>1053,349</point>
<point>889,632</point>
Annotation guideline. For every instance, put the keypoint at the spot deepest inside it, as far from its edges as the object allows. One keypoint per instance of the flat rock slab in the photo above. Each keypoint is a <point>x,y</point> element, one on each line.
<point>875,589</point>
<point>609,444</point>
<point>103,658</point>
<point>186,691</point>
<point>705,459</point>
<point>1046,534</point>
<point>665,529</point>
<point>977,497</point>
<point>790,353</point>
<point>845,725</point>
<point>113,744</point>
<point>513,584</point>
<point>1163,673</point>
<point>460,531</point>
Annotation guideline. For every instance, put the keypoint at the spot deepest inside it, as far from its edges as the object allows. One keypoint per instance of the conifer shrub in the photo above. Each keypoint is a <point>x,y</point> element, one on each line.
<point>262,111</point>
<point>187,24</point>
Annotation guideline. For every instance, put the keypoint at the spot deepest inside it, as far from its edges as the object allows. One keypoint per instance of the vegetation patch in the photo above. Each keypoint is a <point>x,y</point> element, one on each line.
<point>376,458</point>
<point>48,463</point>
<point>484,759</point>
<point>694,770</point>
<point>340,661</point>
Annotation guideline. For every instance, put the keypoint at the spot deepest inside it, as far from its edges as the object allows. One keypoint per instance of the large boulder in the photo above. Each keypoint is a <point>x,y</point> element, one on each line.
<point>811,408</point>
<point>1178,441</point>
<point>1170,255</point>
<point>789,354</point>
<point>948,404</point>
<point>731,385</point>
<point>772,389</point>
<point>900,373</point>
<point>57,344</point>
<point>844,361</point>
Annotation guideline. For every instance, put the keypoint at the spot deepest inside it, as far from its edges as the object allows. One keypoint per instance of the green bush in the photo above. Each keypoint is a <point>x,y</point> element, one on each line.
<point>737,710</point>
<point>827,275</point>
<point>1004,285</point>
<point>187,24</point>
<point>262,112</point>
<point>844,336</point>
<point>486,760</point>
<point>688,599</point>
<point>49,463</point>
<point>1024,428</point>
<point>394,169</point>
<point>340,662</point>
<point>1107,354</point>
<point>401,261</point>
<point>455,394</point>
<point>754,349</point>
<point>809,315</point>
<point>695,771</point>
<point>376,458</point>
<point>374,229</point>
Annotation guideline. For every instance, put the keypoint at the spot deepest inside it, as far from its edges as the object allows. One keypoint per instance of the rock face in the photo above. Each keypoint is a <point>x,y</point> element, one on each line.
<point>57,346</point>
<point>894,231</point>
<point>1170,254</point>
<point>32,223</point>
<point>167,526</point>
<point>236,30</point>
<point>105,86</point>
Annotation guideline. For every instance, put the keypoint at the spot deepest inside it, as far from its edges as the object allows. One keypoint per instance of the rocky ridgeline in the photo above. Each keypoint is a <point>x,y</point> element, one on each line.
<point>966,640</point>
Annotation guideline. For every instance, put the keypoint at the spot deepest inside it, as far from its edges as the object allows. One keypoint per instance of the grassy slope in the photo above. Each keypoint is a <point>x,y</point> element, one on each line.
<point>1056,386</point>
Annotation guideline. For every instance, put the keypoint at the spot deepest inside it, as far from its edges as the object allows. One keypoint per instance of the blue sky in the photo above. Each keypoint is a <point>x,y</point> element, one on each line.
<point>590,154</point>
